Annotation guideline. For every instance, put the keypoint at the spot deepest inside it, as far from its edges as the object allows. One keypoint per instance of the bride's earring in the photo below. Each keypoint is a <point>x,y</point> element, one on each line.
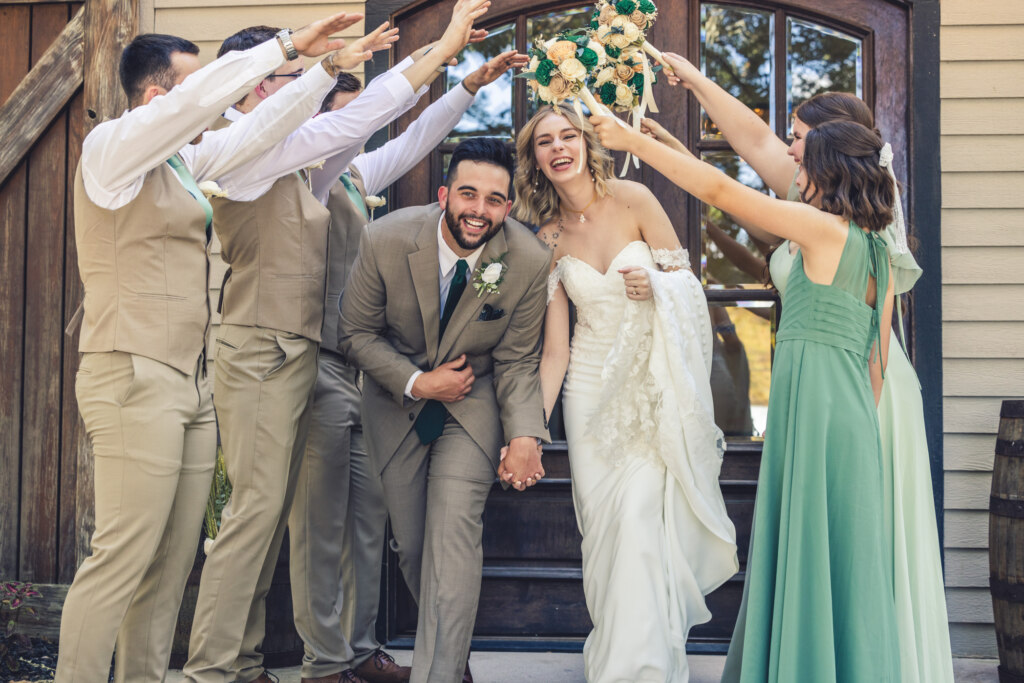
<point>536,182</point>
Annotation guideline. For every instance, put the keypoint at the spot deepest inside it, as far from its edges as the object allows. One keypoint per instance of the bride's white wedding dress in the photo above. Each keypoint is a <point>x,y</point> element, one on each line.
<point>645,456</point>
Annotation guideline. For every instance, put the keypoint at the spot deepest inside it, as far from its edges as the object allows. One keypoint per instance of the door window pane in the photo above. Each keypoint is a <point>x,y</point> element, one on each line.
<point>736,53</point>
<point>741,365</point>
<point>730,256</point>
<point>491,112</point>
<point>820,59</point>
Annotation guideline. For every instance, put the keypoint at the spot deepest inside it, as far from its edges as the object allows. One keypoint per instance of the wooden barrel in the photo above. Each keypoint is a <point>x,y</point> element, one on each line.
<point>1006,542</point>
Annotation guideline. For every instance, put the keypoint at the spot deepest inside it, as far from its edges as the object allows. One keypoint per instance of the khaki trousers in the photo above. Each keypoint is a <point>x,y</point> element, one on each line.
<point>154,441</point>
<point>263,391</point>
<point>336,530</point>
<point>435,496</point>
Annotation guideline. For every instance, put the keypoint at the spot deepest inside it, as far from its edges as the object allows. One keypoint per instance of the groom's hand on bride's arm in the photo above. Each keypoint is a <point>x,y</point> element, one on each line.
<point>520,464</point>
<point>448,382</point>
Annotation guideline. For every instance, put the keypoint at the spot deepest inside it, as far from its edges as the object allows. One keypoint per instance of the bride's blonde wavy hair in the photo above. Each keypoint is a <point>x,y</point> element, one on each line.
<point>536,199</point>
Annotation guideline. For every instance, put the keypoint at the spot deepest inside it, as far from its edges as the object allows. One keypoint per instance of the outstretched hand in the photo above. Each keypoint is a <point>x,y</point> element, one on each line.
<point>612,135</point>
<point>520,463</point>
<point>680,70</point>
<point>359,51</point>
<point>492,70</point>
<point>460,30</point>
<point>658,132</point>
<point>315,40</point>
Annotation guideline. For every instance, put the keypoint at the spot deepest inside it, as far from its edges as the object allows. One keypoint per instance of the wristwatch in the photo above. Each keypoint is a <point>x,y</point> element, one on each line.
<point>285,36</point>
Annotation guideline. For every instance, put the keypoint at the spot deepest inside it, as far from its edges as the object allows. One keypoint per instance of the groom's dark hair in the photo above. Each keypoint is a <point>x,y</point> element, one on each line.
<point>482,150</point>
<point>247,38</point>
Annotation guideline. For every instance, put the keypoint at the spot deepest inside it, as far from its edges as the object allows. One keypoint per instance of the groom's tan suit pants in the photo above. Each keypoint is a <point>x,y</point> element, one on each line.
<point>263,392</point>
<point>154,442</point>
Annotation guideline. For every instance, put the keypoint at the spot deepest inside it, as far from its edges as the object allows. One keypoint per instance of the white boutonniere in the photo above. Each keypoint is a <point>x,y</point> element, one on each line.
<point>488,276</point>
<point>373,201</point>
<point>211,189</point>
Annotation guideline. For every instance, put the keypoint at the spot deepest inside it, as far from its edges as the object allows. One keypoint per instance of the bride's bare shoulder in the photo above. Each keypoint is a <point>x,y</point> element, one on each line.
<point>550,234</point>
<point>630,192</point>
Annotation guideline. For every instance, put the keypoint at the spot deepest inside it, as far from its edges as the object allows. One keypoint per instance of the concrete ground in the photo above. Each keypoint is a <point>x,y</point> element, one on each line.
<point>550,667</point>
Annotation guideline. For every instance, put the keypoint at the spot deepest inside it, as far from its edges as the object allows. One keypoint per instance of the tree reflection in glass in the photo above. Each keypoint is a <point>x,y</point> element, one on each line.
<point>730,256</point>
<point>491,113</point>
<point>736,53</point>
<point>820,59</point>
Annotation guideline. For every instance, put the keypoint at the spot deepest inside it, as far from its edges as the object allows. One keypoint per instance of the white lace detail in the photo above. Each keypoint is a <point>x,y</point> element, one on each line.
<point>671,258</point>
<point>898,228</point>
<point>552,283</point>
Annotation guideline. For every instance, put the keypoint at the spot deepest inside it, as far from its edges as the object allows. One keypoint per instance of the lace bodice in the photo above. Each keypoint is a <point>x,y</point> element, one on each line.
<point>600,298</point>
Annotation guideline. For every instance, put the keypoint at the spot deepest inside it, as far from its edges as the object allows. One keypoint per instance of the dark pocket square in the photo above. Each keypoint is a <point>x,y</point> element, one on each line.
<point>491,313</point>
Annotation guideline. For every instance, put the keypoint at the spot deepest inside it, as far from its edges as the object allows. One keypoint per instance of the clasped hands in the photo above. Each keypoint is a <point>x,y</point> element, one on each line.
<point>451,382</point>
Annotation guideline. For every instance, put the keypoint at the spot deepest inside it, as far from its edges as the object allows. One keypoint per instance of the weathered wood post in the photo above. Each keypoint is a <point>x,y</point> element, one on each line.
<point>1006,542</point>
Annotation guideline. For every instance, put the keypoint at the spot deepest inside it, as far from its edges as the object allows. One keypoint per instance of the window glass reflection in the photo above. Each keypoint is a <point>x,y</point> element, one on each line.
<point>730,256</point>
<point>491,113</point>
<point>736,53</point>
<point>741,365</point>
<point>820,59</point>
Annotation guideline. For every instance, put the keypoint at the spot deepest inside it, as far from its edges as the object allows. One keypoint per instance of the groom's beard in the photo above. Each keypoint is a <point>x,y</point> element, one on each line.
<point>455,227</point>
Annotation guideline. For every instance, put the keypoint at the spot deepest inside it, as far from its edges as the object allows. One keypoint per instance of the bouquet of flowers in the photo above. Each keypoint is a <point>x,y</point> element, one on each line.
<point>623,24</point>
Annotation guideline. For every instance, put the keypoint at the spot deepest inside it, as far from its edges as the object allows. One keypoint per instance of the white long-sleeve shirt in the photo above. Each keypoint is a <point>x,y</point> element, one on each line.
<point>391,161</point>
<point>117,154</point>
<point>334,137</point>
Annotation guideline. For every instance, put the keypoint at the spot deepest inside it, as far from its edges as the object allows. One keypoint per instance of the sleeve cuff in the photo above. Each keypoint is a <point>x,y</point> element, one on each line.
<point>460,98</point>
<point>408,385</point>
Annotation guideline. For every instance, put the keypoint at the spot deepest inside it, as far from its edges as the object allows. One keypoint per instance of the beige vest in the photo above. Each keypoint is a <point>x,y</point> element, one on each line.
<point>276,247</point>
<point>347,222</point>
<point>145,271</point>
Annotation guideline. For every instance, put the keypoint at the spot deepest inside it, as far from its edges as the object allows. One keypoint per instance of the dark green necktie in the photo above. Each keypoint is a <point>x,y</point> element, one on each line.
<point>430,422</point>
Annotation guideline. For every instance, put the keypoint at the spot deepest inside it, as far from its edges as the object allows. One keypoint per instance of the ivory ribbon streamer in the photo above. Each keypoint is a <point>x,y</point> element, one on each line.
<point>601,110</point>
<point>656,53</point>
<point>647,99</point>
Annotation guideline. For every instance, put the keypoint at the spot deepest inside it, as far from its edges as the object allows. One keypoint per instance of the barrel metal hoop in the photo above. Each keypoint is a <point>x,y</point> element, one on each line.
<point>1004,590</point>
<point>1002,507</point>
<point>1009,677</point>
<point>1010,447</point>
<point>1012,408</point>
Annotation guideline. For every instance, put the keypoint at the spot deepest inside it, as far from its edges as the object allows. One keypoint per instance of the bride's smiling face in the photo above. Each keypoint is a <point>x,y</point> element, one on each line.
<point>558,147</point>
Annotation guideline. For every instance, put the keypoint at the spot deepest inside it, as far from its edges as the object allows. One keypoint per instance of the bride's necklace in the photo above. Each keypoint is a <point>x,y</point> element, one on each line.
<point>580,217</point>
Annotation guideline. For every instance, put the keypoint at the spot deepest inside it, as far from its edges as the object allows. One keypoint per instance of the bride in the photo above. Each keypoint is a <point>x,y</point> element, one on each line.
<point>643,446</point>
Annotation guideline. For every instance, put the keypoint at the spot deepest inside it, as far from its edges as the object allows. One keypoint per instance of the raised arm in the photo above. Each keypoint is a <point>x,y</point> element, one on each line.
<point>747,132</point>
<point>808,227</point>
<point>456,37</point>
<point>117,154</point>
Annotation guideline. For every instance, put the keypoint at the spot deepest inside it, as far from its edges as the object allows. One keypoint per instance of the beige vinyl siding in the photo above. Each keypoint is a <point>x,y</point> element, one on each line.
<point>207,24</point>
<point>982,137</point>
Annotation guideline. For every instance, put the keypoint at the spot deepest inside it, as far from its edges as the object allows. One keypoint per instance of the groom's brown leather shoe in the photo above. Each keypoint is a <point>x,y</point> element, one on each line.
<point>381,668</point>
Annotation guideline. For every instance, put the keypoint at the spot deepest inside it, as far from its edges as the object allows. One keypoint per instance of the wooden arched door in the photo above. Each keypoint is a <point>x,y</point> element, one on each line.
<point>772,55</point>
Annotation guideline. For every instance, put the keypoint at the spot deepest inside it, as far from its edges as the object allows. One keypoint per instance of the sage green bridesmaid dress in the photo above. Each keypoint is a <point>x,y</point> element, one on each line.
<point>818,600</point>
<point>909,507</point>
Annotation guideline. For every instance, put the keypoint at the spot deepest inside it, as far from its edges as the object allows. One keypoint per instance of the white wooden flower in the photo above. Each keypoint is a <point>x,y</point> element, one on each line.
<point>631,31</point>
<point>603,76</point>
<point>211,189</point>
<point>374,201</point>
<point>573,69</point>
<point>623,96</point>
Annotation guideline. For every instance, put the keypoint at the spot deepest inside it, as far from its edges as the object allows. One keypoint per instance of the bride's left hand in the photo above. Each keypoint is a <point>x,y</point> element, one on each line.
<point>638,283</point>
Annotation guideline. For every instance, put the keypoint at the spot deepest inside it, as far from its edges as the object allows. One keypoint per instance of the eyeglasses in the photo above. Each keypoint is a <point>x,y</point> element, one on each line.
<point>294,74</point>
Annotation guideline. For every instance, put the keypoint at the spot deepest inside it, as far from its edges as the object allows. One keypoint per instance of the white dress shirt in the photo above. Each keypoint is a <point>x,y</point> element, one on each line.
<point>117,154</point>
<point>391,161</point>
<point>447,259</point>
<point>333,138</point>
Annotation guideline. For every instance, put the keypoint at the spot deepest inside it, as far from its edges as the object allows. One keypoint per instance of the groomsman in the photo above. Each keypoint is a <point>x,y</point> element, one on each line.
<point>274,231</point>
<point>142,229</point>
<point>450,377</point>
<point>337,521</point>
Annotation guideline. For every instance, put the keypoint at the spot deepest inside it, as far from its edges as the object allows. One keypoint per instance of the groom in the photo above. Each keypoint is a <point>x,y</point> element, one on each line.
<point>443,312</point>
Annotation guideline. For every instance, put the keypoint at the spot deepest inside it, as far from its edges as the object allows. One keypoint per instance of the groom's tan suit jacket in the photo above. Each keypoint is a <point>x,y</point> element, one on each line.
<point>390,321</point>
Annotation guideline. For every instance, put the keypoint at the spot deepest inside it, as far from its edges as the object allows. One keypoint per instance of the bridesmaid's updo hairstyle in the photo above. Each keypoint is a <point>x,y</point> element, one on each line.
<point>841,162</point>
<point>536,199</point>
<point>835,106</point>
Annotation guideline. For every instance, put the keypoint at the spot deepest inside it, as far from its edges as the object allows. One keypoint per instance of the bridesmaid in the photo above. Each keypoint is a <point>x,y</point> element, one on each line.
<point>819,592</point>
<point>909,510</point>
